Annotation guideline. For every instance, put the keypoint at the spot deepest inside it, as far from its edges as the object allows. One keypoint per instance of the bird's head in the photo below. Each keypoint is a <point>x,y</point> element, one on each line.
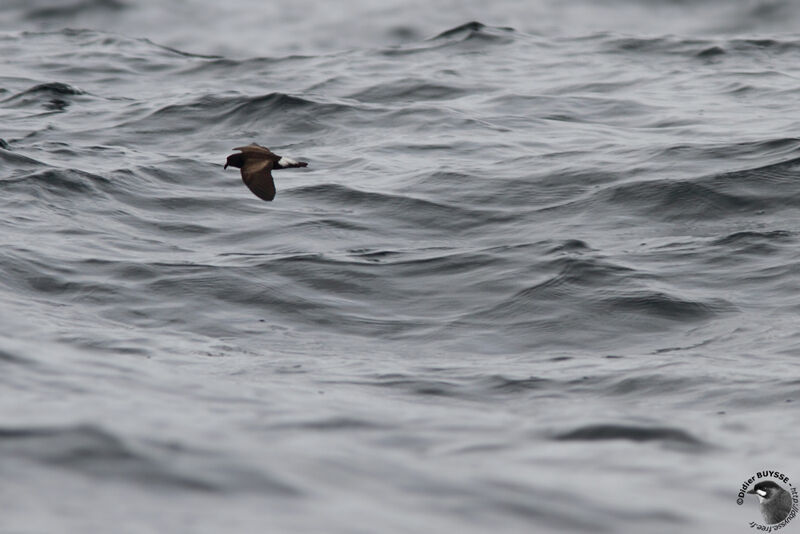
<point>235,160</point>
<point>766,490</point>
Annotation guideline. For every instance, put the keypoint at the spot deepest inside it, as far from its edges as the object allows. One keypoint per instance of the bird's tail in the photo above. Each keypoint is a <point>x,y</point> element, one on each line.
<point>288,163</point>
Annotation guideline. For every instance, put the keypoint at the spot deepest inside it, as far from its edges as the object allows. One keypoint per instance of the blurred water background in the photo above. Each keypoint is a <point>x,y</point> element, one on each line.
<point>540,275</point>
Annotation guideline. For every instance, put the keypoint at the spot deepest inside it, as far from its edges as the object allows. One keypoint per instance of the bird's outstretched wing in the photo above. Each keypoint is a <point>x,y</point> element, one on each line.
<point>258,178</point>
<point>253,149</point>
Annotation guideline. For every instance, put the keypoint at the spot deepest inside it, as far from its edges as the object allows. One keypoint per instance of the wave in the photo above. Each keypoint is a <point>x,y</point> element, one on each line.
<point>656,304</point>
<point>709,48</point>
<point>705,198</point>
<point>108,44</point>
<point>9,357</point>
<point>474,30</point>
<point>297,114</point>
<point>52,96</point>
<point>749,238</point>
<point>578,108</point>
<point>104,57</point>
<point>34,11</point>
<point>17,160</point>
<point>468,37</point>
<point>57,183</point>
<point>602,432</point>
<point>52,88</point>
<point>782,149</point>
<point>595,300</point>
<point>94,451</point>
<point>403,210</point>
<point>409,90</point>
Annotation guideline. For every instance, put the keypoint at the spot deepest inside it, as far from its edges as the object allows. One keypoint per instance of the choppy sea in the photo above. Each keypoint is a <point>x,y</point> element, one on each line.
<point>542,273</point>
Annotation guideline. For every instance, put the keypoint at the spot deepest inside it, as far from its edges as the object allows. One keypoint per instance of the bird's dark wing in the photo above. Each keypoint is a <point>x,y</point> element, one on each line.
<point>256,150</point>
<point>257,176</point>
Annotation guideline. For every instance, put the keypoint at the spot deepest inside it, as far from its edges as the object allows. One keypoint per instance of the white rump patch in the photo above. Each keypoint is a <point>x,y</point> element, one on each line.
<point>285,162</point>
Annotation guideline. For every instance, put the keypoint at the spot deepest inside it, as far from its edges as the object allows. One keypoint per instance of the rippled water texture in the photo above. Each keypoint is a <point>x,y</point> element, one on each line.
<point>540,274</point>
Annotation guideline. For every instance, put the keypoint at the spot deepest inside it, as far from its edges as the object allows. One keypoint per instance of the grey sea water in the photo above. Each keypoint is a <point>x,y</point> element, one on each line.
<point>541,274</point>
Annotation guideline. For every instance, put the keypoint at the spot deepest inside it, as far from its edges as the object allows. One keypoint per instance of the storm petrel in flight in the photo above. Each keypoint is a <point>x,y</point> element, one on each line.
<point>256,163</point>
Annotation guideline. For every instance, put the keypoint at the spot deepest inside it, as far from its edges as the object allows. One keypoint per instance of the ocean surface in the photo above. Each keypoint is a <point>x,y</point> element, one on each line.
<point>541,274</point>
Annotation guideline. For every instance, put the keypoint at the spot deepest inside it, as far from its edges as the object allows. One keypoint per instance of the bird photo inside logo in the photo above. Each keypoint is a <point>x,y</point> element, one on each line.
<point>777,499</point>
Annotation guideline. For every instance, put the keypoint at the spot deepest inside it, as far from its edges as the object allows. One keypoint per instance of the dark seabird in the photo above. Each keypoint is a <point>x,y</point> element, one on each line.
<point>257,162</point>
<point>776,502</point>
